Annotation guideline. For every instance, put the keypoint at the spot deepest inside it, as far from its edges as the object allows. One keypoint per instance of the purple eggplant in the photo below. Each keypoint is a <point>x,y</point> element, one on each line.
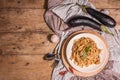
<point>101,17</point>
<point>85,21</point>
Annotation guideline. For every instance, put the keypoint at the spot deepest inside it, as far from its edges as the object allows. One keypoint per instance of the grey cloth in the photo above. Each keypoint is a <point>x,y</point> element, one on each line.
<point>57,14</point>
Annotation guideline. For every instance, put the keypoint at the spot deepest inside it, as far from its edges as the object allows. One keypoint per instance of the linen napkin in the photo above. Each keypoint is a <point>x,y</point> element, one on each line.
<point>57,14</point>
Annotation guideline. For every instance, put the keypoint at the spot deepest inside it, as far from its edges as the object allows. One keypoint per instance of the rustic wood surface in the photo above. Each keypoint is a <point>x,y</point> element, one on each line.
<point>42,3</point>
<point>24,67</point>
<point>24,38</point>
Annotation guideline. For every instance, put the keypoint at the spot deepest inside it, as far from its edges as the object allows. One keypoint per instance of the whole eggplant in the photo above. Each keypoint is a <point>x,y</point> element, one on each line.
<point>101,17</point>
<point>85,21</point>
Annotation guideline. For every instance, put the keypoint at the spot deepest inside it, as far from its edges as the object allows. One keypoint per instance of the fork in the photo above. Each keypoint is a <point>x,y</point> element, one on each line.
<point>57,57</point>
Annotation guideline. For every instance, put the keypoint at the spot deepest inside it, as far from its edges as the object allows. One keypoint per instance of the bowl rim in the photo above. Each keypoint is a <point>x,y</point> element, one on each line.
<point>69,67</point>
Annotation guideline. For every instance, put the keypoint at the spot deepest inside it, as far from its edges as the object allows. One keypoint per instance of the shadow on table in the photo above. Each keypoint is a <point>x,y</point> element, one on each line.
<point>46,4</point>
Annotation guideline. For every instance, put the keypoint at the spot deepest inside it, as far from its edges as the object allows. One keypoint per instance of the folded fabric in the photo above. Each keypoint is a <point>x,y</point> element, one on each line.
<point>57,14</point>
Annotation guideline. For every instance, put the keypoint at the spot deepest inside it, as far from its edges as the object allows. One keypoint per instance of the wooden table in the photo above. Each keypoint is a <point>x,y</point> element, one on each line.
<point>24,38</point>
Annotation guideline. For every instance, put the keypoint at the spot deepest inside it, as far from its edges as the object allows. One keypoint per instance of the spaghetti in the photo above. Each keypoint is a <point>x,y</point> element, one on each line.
<point>78,51</point>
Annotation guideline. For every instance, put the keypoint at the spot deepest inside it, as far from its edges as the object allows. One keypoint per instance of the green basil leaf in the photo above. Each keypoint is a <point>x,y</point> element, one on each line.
<point>87,49</point>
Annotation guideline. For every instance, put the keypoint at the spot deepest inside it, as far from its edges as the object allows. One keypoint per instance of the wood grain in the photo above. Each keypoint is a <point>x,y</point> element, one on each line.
<point>17,20</point>
<point>25,43</point>
<point>24,67</point>
<point>21,20</point>
<point>23,3</point>
<point>106,3</point>
<point>43,3</point>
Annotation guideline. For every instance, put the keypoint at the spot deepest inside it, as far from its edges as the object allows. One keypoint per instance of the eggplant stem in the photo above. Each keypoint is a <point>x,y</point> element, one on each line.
<point>104,29</point>
<point>83,7</point>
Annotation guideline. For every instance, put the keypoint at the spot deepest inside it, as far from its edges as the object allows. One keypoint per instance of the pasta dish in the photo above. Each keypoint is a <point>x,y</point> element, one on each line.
<point>85,52</point>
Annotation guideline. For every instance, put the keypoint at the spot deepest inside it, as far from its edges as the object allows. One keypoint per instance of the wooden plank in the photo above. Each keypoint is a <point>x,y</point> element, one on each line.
<point>24,67</point>
<point>19,20</point>
<point>43,3</point>
<point>106,3</point>
<point>22,3</point>
<point>26,43</point>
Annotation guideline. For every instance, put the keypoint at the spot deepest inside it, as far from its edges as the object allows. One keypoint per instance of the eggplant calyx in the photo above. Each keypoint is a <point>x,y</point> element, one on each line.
<point>83,7</point>
<point>104,29</point>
